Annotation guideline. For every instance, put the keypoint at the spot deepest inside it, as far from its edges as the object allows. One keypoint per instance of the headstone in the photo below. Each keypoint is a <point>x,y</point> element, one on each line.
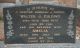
<point>39,23</point>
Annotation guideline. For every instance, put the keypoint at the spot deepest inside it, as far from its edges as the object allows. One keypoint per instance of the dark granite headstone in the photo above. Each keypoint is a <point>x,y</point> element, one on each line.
<point>39,24</point>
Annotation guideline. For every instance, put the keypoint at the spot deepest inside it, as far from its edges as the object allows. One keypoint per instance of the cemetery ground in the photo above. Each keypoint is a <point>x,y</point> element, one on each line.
<point>1,30</point>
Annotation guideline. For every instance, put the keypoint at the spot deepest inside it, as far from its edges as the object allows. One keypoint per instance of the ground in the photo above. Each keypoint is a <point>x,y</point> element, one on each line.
<point>1,30</point>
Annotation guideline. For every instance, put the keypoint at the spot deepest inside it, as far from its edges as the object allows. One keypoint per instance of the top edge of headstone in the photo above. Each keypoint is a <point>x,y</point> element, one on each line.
<point>39,4</point>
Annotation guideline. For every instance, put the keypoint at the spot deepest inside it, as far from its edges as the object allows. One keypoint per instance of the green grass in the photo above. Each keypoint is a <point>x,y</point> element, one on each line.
<point>1,18</point>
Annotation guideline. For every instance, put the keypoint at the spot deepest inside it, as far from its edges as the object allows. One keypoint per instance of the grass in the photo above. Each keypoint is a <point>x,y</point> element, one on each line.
<point>1,18</point>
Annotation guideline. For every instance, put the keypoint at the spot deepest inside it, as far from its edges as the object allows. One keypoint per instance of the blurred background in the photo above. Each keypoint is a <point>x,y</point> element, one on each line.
<point>66,3</point>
